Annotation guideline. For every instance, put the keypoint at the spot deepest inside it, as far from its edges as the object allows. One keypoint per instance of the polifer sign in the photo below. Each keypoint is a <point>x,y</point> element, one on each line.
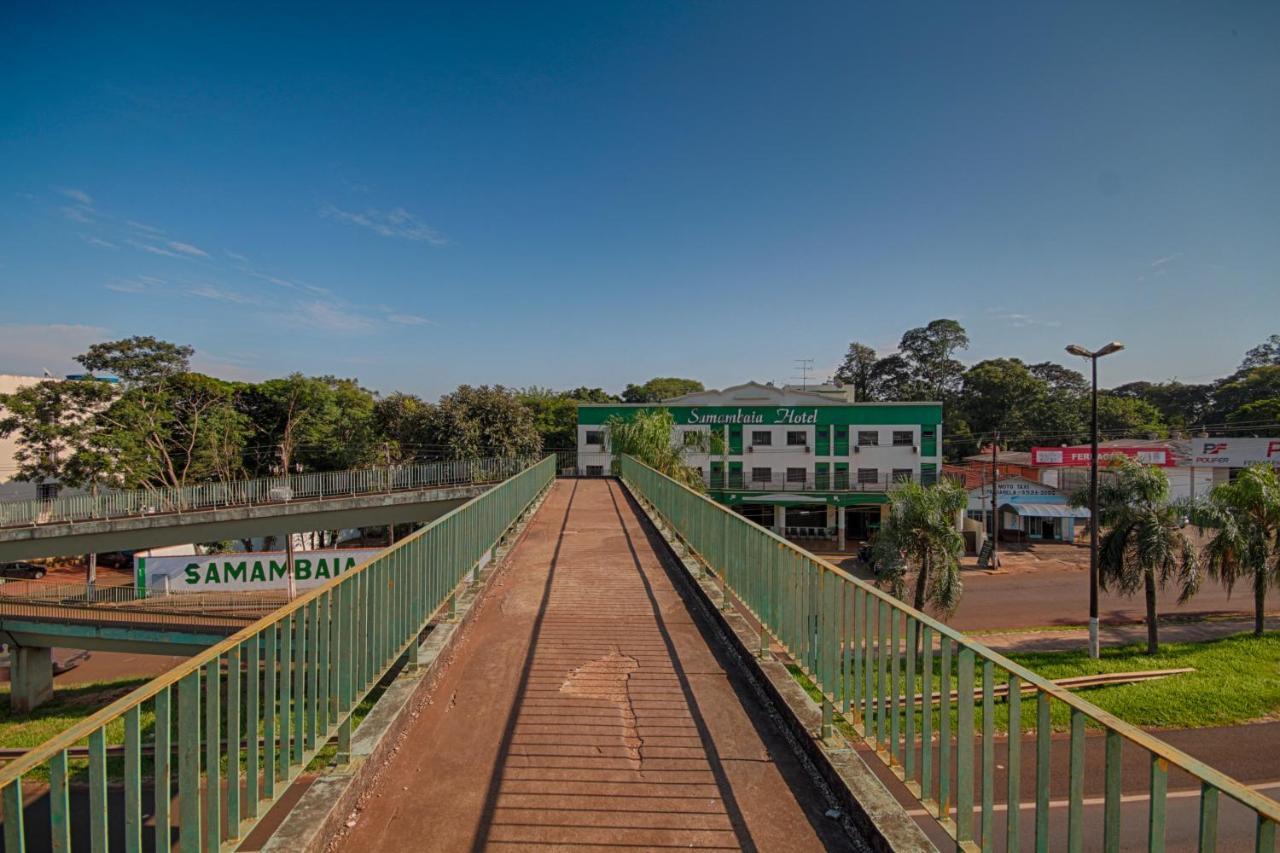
<point>1234,452</point>
<point>245,571</point>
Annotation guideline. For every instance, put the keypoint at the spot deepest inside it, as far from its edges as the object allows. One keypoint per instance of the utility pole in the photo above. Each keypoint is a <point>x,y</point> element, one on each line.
<point>995,509</point>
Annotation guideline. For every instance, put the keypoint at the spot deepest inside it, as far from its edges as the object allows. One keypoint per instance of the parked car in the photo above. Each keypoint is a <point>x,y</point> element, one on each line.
<point>20,570</point>
<point>116,559</point>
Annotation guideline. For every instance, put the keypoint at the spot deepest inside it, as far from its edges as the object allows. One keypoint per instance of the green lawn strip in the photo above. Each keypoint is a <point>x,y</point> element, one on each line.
<point>1236,680</point>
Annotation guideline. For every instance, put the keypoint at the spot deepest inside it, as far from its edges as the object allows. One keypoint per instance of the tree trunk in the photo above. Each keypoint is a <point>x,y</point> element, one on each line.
<point>1259,602</point>
<point>922,582</point>
<point>1153,627</point>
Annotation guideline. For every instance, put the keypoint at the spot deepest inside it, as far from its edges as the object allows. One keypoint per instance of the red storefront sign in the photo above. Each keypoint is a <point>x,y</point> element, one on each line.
<point>1074,457</point>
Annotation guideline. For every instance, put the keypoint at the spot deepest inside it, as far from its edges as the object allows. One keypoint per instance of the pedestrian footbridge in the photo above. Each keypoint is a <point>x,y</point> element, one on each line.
<point>600,664</point>
<point>270,506</point>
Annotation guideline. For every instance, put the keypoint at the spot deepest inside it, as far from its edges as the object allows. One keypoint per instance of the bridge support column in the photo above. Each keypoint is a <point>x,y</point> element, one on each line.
<point>780,520</point>
<point>840,519</point>
<point>30,678</point>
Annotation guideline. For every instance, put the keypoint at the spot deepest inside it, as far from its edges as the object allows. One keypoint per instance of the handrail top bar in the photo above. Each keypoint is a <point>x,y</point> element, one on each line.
<point>79,731</point>
<point>1233,788</point>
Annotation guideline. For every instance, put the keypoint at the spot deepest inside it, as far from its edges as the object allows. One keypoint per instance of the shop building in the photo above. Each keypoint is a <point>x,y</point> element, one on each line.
<point>1027,511</point>
<point>808,462</point>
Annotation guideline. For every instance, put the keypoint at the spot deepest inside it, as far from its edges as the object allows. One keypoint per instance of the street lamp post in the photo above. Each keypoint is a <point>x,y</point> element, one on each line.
<point>1076,349</point>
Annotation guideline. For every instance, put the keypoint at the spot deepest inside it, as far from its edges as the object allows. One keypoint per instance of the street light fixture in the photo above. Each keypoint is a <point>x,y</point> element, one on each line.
<point>1076,349</point>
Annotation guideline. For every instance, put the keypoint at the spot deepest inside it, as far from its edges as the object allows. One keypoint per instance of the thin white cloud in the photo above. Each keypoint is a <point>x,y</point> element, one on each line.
<point>77,214</point>
<point>78,196</point>
<point>94,240</point>
<point>155,250</point>
<point>330,317</point>
<point>236,256</point>
<point>209,291</point>
<point>1167,259</point>
<point>408,319</point>
<point>397,222</point>
<point>1019,320</point>
<point>142,226</point>
<point>187,249</point>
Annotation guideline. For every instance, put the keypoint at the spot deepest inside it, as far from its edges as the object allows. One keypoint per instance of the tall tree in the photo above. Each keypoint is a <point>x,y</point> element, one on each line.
<point>288,415</point>
<point>930,351</point>
<point>1120,417</point>
<point>400,423</point>
<point>139,360</point>
<point>921,537</point>
<point>858,370</point>
<point>660,388</point>
<point>483,421</point>
<point>54,427</point>
<point>1000,394</point>
<point>1264,354</point>
<point>555,416</point>
<point>891,380</point>
<point>1143,546</point>
<point>1243,520</point>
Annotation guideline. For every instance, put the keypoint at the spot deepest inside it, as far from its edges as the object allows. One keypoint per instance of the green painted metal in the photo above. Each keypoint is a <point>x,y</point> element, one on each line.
<point>298,672</point>
<point>1075,784</point>
<point>964,748</point>
<point>163,767</point>
<point>1044,734</point>
<point>1208,818</point>
<point>909,736</point>
<point>59,805</point>
<point>988,756</point>
<point>1155,816</point>
<point>1013,764</point>
<point>98,837</point>
<point>1266,837</point>
<point>132,781</point>
<point>779,590</point>
<point>1111,804</point>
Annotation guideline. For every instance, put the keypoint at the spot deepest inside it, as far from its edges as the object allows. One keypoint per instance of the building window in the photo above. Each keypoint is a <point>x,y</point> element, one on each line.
<point>903,438</point>
<point>595,470</point>
<point>868,438</point>
<point>761,475</point>
<point>926,434</point>
<point>596,437</point>
<point>902,475</point>
<point>868,476</point>
<point>692,438</point>
<point>761,438</point>
<point>797,438</point>
<point>797,475</point>
<point>47,491</point>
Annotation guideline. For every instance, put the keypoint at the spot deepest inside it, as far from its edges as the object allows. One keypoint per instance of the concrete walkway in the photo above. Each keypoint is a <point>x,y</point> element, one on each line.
<point>587,711</point>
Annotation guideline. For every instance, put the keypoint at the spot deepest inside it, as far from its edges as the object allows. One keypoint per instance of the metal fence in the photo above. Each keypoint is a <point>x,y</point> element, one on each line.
<point>284,686</point>
<point>265,490</point>
<point>890,671</point>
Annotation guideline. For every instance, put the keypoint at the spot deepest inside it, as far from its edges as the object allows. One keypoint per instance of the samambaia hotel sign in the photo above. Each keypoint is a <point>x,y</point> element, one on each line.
<point>779,415</point>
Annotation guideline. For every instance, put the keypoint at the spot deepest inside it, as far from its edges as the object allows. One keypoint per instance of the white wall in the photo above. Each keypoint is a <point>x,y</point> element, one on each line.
<point>8,446</point>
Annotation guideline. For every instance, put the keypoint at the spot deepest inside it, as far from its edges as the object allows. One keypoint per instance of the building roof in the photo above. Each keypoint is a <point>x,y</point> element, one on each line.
<point>1004,457</point>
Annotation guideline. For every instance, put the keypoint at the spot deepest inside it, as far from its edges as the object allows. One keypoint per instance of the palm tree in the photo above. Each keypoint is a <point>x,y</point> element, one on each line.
<point>1244,517</point>
<point>1143,545</point>
<point>649,435</point>
<point>921,532</point>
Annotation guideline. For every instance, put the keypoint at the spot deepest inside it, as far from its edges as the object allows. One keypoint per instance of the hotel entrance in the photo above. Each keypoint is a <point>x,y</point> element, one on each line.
<point>861,522</point>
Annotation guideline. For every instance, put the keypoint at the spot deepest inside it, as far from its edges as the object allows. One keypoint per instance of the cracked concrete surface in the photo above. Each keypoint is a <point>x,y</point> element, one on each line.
<point>588,711</point>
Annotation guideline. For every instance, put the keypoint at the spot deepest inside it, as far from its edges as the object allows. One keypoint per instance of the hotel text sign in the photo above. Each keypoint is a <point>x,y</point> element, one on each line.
<point>779,415</point>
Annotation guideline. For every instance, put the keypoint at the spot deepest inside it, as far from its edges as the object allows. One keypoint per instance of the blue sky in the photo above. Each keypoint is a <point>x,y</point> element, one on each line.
<point>597,193</point>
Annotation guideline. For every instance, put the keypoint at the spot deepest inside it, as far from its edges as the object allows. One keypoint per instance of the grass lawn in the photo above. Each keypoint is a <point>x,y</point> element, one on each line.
<point>1236,680</point>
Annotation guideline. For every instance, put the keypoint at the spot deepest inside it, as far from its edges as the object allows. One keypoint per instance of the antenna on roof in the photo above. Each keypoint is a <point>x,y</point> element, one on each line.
<point>804,366</point>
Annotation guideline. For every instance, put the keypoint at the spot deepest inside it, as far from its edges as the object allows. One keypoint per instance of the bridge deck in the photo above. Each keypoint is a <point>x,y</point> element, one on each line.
<point>586,709</point>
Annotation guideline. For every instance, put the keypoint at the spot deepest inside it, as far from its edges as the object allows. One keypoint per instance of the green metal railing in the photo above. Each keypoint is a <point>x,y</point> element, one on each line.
<point>264,490</point>
<point>247,715</point>
<point>890,672</point>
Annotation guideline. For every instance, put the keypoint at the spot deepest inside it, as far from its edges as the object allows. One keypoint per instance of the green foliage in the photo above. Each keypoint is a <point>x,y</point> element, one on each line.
<point>921,536</point>
<point>858,370</point>
<point>139,360</point>
<point>1243,519</point>
<point>313,422</point>
<point>401,421</point>
<point>1129,418</point>
<point>1143,545</point>
<point>1264,354</point>
<point>1258,416</point>
<point>52,422</point>
<point>555,416</point>
<point>660,388</point>
<point>648,434</point>
<point>929,352</point>
<point>482,421</point>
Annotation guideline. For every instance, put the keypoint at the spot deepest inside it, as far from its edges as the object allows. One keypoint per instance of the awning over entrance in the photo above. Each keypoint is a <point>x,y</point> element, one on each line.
<point>1046,510</point>
<point>784,499</point>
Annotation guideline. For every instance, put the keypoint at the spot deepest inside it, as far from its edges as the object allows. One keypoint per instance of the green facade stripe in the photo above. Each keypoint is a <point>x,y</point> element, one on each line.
<point>924,414</point>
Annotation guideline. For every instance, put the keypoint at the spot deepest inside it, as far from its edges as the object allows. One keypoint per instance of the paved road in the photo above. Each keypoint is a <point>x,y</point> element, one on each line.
<point>1057,595</point>
<point>587,710</point>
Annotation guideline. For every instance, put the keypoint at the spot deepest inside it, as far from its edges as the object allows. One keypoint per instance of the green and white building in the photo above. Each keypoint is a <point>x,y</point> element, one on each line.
<point>806,462</point>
